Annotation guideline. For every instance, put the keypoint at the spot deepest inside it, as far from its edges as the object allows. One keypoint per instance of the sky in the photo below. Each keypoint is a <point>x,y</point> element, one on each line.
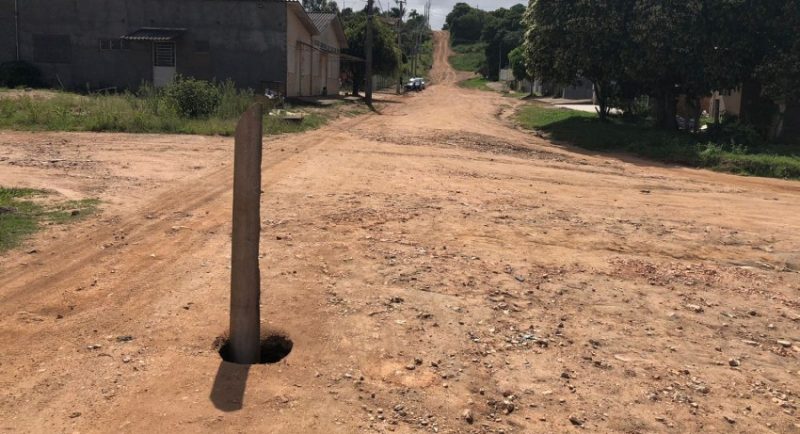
<point>439,8</point>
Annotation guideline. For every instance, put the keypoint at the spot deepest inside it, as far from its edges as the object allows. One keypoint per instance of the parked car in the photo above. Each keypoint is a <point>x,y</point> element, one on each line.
<point>415,83</point>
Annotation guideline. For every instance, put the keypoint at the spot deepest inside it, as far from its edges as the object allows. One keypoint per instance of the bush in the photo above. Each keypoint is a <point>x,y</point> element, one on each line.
<point>20,73</point>
<point>193,98</point>
<point>735,132</point>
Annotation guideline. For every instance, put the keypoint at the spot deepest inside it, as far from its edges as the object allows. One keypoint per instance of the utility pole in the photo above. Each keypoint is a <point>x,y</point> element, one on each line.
<point>16,27</point>
<point>368,49</point>
<point>245,319</point>
<point>400,44</point>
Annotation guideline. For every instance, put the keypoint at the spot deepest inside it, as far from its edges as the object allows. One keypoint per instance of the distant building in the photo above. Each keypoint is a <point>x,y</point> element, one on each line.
<point>94,44</point>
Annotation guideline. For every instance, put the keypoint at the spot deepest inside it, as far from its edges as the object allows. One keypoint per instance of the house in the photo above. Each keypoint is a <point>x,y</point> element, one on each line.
<point>96,44</point>
<point>328,47</point>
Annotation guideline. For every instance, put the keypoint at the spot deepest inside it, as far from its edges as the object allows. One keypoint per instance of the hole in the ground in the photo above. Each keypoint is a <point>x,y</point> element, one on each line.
<point>274,348</point>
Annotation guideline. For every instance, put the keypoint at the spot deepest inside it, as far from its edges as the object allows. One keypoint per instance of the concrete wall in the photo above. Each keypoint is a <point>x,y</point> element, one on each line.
<point>246,39</point>
<point>7,39</point>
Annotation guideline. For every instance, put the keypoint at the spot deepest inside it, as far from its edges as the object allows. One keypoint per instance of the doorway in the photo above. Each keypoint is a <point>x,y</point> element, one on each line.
<point>163,63</point>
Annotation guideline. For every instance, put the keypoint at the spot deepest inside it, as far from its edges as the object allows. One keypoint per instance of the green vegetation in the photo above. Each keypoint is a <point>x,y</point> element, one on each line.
<point>468,57</point>
<point>587,131</point>
<point>640,47</point>
<point>497,32</point>
<point>478,83</point>
<point>21,214</point>
<point>148,110</point>
<point>424,61</point>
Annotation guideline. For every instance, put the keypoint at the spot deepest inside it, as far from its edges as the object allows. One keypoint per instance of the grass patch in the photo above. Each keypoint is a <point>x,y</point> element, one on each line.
<point>478,83</point>
<point>424,61</point>
<point>21,214</point>
<point>585,130</point>
<point>145,111</point>
<point>468,57</point>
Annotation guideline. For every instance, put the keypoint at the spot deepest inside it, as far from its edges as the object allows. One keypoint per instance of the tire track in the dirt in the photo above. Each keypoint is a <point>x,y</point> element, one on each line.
<point>84,251</point>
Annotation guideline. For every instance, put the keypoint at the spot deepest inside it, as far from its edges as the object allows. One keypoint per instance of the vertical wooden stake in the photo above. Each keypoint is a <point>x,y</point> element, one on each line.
<point>245,276</point>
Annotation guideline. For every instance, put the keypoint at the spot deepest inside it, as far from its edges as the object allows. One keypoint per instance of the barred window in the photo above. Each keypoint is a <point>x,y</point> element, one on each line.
<point>115,44</point>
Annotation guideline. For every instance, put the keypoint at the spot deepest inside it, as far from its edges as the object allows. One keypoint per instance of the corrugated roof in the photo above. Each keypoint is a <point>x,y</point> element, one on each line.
<point>321,20</point>
<point>156,34</point>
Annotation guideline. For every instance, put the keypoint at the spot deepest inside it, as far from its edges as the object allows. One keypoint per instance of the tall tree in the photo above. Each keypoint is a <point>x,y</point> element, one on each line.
<point>570,39</point>
<point>385,52</point>
<point>502,31</point>
<point>321,6</point>
<point>516,59</point>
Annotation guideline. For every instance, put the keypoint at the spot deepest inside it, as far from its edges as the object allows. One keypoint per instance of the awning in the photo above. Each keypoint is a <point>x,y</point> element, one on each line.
<point>351,58</point>
<point>154,34</point>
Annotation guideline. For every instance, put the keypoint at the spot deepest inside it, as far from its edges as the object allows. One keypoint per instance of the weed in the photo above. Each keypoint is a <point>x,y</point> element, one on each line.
<point>585,130</point>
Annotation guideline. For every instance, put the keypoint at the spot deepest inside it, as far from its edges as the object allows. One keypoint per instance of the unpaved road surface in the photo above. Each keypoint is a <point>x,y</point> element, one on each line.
<point>429,263</point>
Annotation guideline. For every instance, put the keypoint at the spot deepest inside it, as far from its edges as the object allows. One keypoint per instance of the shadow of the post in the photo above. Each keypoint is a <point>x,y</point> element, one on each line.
<point>227,394</point>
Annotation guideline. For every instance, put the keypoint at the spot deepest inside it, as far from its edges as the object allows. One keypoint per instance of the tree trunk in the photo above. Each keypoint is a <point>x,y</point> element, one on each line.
<point>601,94</point>
<point>666,109</point>
<point>751,93</point>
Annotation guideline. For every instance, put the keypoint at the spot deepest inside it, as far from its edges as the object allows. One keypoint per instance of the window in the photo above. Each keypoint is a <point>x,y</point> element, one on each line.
<point>115,44</point>
<point>164,54</point>
<point>202,46</point>
<point>52,48</point>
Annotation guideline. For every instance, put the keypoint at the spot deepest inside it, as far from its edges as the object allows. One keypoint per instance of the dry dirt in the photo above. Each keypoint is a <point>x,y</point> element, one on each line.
<point>429,262</point>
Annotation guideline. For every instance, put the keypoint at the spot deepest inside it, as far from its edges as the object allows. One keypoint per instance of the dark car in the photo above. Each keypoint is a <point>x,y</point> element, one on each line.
<point>416,84</point>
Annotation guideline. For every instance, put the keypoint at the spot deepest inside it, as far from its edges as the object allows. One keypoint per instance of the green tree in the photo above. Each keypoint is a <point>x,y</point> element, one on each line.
<point>385,52</point>
<point>502,32</point>
<point>517,60</point>
<point>321,6</point>
<point>570,39</point>
<point>465,23</point>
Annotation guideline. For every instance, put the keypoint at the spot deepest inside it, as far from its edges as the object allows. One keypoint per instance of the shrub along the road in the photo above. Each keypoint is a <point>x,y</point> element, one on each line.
<point>187,107</point>
<point>714,150</point>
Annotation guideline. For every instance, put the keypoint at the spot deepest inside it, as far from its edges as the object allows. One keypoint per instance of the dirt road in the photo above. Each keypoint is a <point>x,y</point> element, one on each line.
<point>431,264</point>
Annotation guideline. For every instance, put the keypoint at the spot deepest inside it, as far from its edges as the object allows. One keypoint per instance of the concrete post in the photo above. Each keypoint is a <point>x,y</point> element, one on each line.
<point>245,321</point>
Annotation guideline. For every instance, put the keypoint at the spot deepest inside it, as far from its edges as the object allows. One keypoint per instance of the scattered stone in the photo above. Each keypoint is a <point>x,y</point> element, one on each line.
<point>576,421</point>
<point>508,407</point>
<point>124,338</point>
<point>396,300</point>
<point>734,363</point>
<point>785,344</point>
<point>729,419</point>
<point>749,342</point>
<point>94,347</point>
<point>411,367</point>
<point>74,414</point>
<point>565,375</point>
<point>468,416</point>
<point>417,361</point>
<point>752,312</point>
<point>126,359</point>
<point>695,307</point>
<point>74,212</point>
<point>520,278</point>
